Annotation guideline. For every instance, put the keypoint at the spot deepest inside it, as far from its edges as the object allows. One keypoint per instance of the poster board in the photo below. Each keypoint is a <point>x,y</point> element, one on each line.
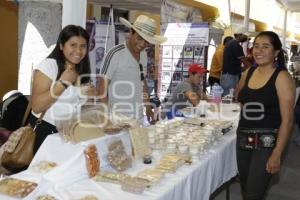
<point>99,44</point>
<point>187,43</point>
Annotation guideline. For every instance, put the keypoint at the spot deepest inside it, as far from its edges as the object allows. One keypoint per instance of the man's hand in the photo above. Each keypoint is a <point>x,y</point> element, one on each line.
<point>150,115</point>
<point>103,84</point>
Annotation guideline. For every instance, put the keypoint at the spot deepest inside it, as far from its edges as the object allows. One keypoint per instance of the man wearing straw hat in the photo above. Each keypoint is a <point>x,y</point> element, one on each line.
<point>122,82</point>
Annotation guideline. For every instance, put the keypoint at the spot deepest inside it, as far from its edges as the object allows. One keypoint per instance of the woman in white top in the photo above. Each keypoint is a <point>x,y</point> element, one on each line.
<point>56,80</point>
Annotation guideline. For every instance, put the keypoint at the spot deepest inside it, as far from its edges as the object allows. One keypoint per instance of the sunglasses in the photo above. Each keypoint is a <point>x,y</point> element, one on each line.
<point>142,72</point>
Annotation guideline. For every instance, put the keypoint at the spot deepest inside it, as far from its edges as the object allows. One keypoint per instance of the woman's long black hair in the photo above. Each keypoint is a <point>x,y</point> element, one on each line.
<point>277,45</point>
<point>82,68</point>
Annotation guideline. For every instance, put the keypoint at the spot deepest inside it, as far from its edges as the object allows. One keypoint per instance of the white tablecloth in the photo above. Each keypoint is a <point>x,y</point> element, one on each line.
<point>70,181</point>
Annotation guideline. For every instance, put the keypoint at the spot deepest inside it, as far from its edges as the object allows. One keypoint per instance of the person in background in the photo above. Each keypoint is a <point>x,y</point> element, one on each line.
<point>296,139</point>
<point>56,89</point>
<point>250,58</point>
<point>295,59</point>
<point>217,63</point>
<point>99,55</point>
<point>152,91</point>
<point>233,58</point>
<point>122,83</point>
<point>188,92</point>
<point>267,96</point>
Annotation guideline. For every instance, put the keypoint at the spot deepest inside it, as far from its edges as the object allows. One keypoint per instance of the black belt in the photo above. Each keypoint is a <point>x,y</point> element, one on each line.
<point>256,138</point>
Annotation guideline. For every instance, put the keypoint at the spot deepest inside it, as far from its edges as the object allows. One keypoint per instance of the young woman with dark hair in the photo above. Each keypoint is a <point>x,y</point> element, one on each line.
<point>267,95</point>
<point>57,79</point>
<point>82,67</point>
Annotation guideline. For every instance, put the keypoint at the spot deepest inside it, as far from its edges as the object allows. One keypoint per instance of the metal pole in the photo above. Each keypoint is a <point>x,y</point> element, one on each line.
<point>284,30</point>
<point>247,14</point>
<point>229,12</point>
<point>74,12</point>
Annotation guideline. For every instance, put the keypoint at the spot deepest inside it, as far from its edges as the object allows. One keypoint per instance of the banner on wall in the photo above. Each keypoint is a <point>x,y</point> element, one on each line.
<point>187,43</point>
<point>100,42</point>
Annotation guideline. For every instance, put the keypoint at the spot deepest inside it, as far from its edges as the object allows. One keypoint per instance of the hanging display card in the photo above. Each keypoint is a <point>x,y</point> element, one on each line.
<point>186,44</point>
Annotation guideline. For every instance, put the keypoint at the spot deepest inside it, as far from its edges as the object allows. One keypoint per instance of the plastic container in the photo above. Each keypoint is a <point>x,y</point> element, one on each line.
<point>216,93</point>
<point>134,185</point>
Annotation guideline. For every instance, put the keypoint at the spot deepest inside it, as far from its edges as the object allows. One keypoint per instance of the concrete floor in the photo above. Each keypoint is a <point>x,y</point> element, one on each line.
<point>285,186</point>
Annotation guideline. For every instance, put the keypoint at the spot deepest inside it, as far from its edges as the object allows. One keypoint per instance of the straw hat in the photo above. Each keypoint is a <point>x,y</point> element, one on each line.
<point>145,27</point>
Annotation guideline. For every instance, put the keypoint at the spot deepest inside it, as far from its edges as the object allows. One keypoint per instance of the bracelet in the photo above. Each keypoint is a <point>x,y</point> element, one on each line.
<point>63,83</point>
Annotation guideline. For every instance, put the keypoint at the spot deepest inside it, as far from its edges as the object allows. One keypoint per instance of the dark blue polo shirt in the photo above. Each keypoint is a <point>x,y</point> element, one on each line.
<point>233,51</point>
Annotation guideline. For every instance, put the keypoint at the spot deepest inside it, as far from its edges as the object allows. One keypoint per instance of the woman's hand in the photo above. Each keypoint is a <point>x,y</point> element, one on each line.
<point>273,163</point>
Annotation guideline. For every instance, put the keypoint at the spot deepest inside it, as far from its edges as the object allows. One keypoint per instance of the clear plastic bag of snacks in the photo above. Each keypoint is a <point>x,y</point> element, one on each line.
<point>152,175</point>
<point>46,197</point>
<point>44,166</point>
<point>134,185</point>
<point>92,160</point>
<point>117,156</point>
<point>110,177</point>
<point>16,187</point>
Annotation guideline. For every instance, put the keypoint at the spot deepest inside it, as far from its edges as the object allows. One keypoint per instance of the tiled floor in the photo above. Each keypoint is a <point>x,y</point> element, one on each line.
<point>285,186</point>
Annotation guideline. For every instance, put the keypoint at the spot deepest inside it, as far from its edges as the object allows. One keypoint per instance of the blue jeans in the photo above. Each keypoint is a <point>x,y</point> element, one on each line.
<point>228,81</point>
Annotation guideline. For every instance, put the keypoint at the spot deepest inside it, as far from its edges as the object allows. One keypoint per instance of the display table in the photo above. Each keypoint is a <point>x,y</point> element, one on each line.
<point>69,180</point>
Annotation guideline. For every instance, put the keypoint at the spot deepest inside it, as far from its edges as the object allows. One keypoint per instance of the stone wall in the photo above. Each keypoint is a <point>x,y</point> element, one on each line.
<point>39,26</point>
